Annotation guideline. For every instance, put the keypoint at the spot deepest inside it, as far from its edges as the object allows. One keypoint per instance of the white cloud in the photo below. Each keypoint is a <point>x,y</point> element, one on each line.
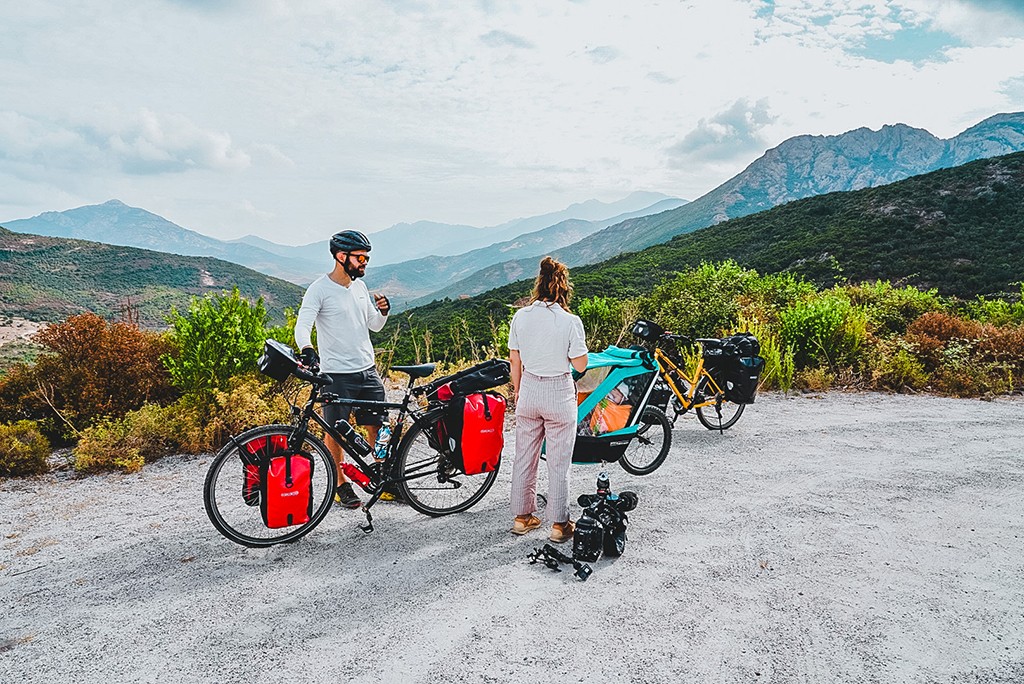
<point>978,22</point>
<point>327,113</point>
<point>143,143</point>
<point>504,39</point>
<point>732,133</point>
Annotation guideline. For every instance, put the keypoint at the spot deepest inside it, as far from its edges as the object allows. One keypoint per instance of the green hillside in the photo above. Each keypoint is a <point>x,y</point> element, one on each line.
<point>959,230</point>
<point>48,279</point>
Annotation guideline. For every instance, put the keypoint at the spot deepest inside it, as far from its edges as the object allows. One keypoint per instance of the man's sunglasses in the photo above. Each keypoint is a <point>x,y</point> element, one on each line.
<point>360,258</point>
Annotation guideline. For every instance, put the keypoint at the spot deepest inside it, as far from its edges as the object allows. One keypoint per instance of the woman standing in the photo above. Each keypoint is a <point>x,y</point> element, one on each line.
<point>543,340</point>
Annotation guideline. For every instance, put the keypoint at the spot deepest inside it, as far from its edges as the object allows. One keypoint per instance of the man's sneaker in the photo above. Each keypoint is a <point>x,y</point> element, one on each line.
<point>345,496</point>
<point>390,493</point>
<point>562,532</point>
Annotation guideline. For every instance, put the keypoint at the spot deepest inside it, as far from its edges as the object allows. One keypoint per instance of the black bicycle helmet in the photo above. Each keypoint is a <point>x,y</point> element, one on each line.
<point>349,241</point>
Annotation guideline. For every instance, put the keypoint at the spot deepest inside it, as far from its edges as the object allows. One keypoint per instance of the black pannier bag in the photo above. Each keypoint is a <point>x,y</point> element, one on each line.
<point>736,366</point>
<point>649,331</point>
<point>741,344</point>
<point>482,376</point>
<point>740,380</point>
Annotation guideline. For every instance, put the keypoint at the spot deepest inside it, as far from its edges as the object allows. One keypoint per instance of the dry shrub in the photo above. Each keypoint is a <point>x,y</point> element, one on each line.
<point>1006,345</point>
<point>894,365</point>
<point>944,327</point>
<point>971,380</point>
<point>19,395</point>
<point>140,436</point>
<point>248,401</point>
<point>814,379</point>
<point>126,443</point>
<point>23,449</point>
<point>98,369</point>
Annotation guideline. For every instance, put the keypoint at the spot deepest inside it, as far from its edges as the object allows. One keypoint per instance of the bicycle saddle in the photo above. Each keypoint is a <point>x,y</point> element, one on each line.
<point>420,371</point>
<point>710,342</point>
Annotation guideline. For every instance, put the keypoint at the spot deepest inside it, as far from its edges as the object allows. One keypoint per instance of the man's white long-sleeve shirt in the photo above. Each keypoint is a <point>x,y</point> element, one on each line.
<point>344,317</point>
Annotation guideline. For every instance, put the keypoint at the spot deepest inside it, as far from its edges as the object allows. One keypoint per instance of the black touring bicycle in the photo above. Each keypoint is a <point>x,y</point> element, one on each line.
<point>275,483</point>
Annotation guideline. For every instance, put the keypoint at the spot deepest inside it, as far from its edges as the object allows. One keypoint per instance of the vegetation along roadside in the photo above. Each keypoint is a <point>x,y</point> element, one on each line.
<point>913,286</point>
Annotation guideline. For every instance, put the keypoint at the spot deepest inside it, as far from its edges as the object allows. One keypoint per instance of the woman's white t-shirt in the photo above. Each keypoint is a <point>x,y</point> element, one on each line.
<point>546,336</point>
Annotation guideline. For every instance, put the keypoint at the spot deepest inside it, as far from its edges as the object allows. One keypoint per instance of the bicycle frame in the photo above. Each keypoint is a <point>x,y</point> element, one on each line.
<point>379,477</point>
<point>670,373</point>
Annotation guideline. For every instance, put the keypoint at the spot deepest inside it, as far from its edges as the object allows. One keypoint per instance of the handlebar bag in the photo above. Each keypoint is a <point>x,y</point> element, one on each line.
<point>254,451</point>
<point>474,430</point>
<point>286,490</point>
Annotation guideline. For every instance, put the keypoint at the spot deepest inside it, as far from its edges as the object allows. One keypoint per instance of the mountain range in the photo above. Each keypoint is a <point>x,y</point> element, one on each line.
<point>116,223</point>
<point>411,279</point>
<point>957,230</point>
<point>47,279</point>
<point>800,167</point>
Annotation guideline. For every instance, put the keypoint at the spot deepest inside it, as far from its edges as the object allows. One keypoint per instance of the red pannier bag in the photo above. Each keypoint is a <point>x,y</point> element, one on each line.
<point>255,451</point>
<point>474,428</point>
<point>286,490</point>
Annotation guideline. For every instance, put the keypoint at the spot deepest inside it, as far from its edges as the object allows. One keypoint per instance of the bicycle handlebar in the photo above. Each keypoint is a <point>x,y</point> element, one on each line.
<point>321,379</point>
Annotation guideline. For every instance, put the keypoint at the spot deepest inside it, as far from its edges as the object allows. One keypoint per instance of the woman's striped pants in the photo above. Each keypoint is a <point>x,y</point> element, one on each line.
<point>545,412</point>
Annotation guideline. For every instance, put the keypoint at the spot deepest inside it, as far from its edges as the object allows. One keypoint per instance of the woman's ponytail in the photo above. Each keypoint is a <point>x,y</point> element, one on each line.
<point>552,284</point>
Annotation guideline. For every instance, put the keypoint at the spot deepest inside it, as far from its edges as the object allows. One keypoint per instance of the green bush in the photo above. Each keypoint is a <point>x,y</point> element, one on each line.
<point>127,442</point>
<point>766,297</point>
<point>246,401</point>
<point>607,321</point>
<point>997,311</point>
<point>826,329</point>
<point>23,449</point>
<point>219,337</point>
<point>699,302</point>
<point>891,309</point>
<point>779,363</point>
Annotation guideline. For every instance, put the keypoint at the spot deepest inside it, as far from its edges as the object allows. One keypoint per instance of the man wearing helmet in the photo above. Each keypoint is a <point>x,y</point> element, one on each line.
<point>344,313</point>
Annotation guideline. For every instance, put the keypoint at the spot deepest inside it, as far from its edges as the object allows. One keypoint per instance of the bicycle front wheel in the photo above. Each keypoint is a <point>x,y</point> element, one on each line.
<point>723,418</point>
<point>231,493</point>
<point>434,486</point>
<point>647,451</point>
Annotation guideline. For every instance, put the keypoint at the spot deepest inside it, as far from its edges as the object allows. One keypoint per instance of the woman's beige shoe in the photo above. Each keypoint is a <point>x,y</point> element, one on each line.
<point>525,523</point>
<point>562,532</point>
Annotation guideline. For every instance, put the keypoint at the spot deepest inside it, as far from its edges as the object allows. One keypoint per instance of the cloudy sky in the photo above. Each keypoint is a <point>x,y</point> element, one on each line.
<point>292,119</point>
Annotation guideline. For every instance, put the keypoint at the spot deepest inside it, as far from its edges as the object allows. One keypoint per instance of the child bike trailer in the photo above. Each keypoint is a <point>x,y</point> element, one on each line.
<point>611,394</point>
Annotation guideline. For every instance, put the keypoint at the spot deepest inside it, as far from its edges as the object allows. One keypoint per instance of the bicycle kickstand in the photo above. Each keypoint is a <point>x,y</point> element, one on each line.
<point>368,527</point>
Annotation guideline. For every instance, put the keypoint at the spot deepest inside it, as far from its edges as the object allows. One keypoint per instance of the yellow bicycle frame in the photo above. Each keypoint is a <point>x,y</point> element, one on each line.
<point>671,373</point>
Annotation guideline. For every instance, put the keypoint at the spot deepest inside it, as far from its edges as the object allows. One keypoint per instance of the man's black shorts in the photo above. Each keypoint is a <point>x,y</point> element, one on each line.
<point>362,385</point>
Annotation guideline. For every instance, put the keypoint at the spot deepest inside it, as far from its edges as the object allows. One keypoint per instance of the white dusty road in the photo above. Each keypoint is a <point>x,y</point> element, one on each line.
<point>836,538</point>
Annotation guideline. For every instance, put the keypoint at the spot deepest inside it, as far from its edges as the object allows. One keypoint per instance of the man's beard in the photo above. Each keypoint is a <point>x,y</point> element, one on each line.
<point>355,271</point>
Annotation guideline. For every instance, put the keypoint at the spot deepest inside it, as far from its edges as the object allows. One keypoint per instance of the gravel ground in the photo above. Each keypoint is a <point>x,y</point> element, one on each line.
<point>834,538</point>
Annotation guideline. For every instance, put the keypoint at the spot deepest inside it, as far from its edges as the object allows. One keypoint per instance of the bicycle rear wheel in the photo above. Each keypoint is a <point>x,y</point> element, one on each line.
<point>647,451</point>
<point>436,487</point>
<point>232,500</point>
<point>713,420</point>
